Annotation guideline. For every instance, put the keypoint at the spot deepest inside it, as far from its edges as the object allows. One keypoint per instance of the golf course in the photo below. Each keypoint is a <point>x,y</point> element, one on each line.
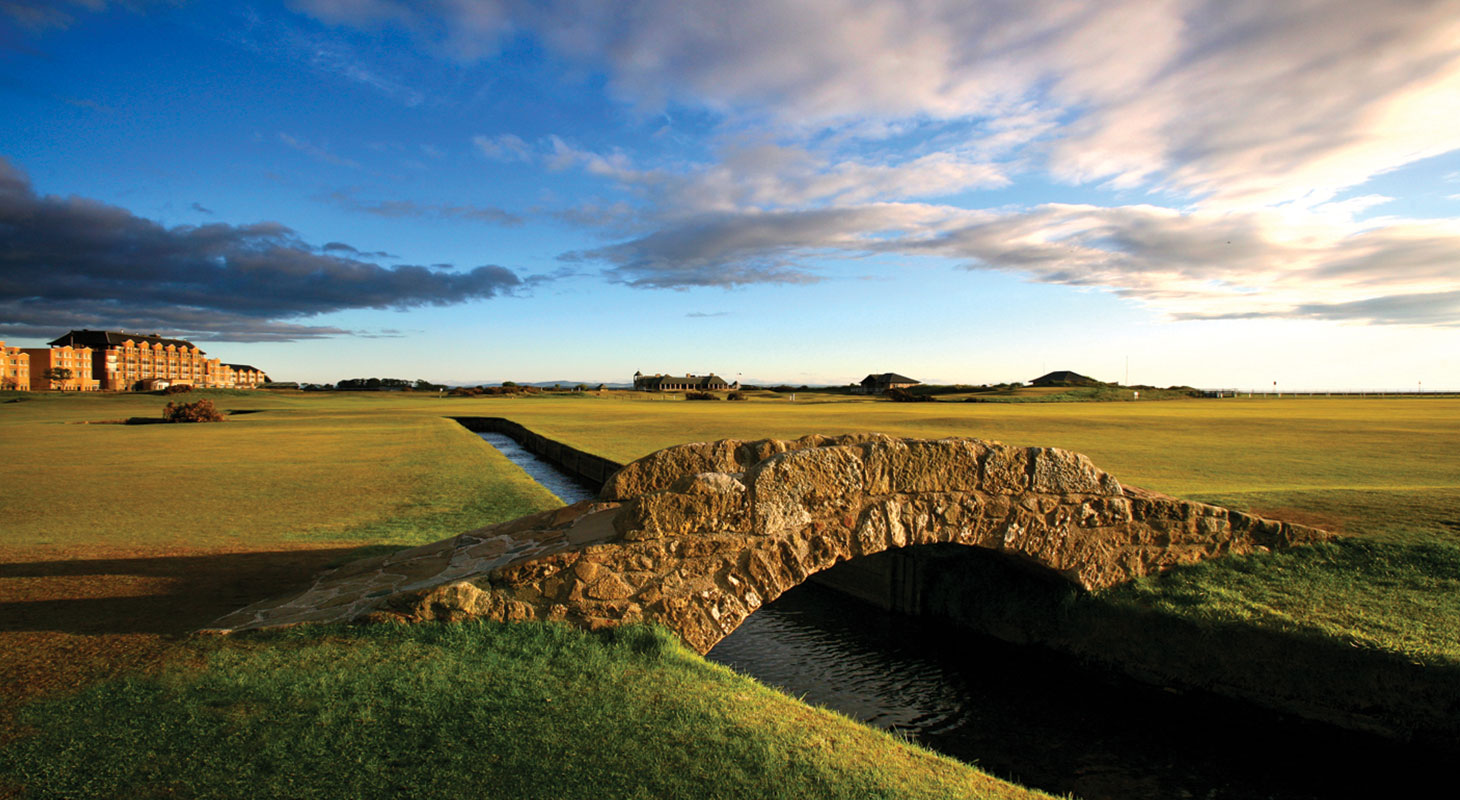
<point>121,538</point>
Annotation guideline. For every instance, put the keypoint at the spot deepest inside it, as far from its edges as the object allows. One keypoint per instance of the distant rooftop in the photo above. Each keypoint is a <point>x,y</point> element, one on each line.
<point>889,377</point>
<point>101,340</point>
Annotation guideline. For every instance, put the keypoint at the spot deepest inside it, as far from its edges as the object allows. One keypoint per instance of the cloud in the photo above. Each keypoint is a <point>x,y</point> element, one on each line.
<point>1441,309</point>
<point>503,147</point>
<point>733,249</point>
<point>402,209</point>
<point>80,263</point>
<point>1192,265</point>
<point>1232,103</point>
<point>464,31</point>
<point>40,15</point>
<point>316,152</point>
<point>198,207</point>
<point>766,175</point>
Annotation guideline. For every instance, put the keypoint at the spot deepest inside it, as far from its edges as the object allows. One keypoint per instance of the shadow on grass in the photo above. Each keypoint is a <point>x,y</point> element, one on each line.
<point>168,596</point>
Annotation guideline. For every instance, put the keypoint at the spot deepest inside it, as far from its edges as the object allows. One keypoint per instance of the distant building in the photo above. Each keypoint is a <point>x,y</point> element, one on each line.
<point>14,368</point>
<point>1064,378</point>
<point>881,382</point>
<point>676,383</point>
<point>247,377</point>
<point>123,362</point>
<point>77,360</point>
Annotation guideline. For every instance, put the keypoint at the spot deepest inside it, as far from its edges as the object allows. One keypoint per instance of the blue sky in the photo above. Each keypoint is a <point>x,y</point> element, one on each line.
<point>1226,194</point>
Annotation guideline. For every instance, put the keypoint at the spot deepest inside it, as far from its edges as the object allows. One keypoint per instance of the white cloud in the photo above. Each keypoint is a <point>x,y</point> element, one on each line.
<point>834,114</point>
<point>1190,265</point>
<point>1242,102</point>
<point>503,147</point>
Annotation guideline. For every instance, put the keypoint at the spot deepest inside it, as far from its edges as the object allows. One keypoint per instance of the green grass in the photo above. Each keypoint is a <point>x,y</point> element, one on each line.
<point>463,711</point>
<point>287,472</point>
<point>375,469</point>
<point>1393,597</point>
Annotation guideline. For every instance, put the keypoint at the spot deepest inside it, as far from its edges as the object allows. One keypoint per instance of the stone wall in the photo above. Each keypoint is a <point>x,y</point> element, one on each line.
<point>586,467</point>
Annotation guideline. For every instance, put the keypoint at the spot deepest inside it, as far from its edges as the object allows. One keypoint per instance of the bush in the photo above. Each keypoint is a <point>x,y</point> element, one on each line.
<point>736,395</point>
<point>178,388</point>
<point>699,396</point>
<point>201,411</point>
<point>904,396</point>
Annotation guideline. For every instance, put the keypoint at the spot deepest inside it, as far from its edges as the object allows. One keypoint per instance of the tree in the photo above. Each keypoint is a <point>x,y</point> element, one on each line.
<point>57,375</point>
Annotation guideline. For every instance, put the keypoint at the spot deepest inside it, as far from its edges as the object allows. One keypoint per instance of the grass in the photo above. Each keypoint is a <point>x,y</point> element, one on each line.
<point>1394,597</point>
<point>281,474</point>
<point>110,558</point>
<point>469,710</point>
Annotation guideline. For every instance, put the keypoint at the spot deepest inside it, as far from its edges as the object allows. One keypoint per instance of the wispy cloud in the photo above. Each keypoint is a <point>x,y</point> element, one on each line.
<point>317,152</point>
<point>1191,265</point>
<point>402,209</point>
<point>1228,103</point>
<point>40,15</point>
<point>503,147</point>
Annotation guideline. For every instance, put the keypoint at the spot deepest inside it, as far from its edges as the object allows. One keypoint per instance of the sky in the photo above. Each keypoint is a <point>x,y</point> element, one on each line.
<point>1223,194</point>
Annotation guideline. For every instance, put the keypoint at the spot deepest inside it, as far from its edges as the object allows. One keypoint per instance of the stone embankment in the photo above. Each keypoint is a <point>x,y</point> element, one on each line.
<point>696,537</point>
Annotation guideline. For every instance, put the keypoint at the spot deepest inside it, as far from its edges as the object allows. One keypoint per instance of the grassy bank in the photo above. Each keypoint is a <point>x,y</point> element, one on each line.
<point>471,711</point>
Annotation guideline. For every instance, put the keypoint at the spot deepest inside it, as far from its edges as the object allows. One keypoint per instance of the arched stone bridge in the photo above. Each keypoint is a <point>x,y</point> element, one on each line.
<point>698,536</point>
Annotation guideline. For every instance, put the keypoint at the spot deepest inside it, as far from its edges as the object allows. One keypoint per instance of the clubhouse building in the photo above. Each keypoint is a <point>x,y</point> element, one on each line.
<point>676,383</point>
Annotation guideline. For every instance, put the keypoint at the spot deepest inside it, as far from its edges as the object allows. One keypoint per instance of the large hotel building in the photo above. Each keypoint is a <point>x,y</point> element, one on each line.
<point>14,368</point>
<point>118,361</point>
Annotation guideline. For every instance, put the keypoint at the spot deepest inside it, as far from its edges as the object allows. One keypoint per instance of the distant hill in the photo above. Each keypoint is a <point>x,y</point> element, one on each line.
<point>1065,377</point>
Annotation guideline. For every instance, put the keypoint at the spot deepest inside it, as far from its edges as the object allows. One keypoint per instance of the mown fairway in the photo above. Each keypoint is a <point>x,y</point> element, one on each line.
<point>117,540</point>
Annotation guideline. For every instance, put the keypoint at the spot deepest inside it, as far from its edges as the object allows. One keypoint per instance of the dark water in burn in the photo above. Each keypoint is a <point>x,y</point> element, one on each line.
<point>567,489</point>
<point>1038,718</point>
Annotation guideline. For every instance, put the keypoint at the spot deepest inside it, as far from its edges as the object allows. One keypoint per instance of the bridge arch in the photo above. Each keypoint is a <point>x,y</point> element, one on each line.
<point>697,537</point>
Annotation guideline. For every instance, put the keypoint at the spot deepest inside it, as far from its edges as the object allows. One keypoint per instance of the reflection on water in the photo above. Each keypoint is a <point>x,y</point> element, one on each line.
<point>559,483</point>
<point>1034,717</point>
<point>1040,719</point>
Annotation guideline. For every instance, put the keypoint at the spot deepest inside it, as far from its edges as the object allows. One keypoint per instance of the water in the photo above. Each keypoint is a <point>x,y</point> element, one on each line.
<point>1039,718</point>
<point>1035,717</point>
<point>567,488</point>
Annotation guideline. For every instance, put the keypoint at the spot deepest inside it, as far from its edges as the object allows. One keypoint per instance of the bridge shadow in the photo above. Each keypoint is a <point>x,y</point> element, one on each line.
<point>169,596</point>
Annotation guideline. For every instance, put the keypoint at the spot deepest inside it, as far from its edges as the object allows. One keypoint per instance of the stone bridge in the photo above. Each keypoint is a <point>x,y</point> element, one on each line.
<point>697,537</point>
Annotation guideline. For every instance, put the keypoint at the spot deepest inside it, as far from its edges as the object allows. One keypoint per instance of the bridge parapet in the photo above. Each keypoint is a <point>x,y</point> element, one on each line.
<point>698,536</point>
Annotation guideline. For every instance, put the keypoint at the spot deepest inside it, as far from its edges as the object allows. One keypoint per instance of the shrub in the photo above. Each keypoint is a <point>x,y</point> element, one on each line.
<point>904,396</point>
<point>178,388</point>
<point>699,396</point>
<point>201,411</point>
<point>735,395</point>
